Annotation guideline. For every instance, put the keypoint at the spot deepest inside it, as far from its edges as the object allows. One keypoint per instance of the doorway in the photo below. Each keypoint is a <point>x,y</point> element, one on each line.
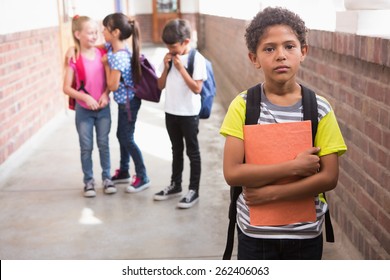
<point>163,11</point>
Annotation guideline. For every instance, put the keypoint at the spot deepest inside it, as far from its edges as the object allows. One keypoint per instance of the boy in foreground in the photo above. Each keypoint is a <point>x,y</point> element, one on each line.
<point>276,39</point>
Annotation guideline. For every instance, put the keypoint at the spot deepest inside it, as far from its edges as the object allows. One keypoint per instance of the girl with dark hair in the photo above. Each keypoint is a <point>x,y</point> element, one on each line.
<point>122,72</point>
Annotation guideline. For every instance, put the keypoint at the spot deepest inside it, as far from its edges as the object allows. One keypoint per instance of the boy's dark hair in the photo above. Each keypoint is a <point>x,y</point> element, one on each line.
<point>176,31</point>
<point>273,16</point>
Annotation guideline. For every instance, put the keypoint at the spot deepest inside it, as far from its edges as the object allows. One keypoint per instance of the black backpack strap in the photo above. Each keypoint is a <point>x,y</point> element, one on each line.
<point>310,109</point>
<point>328,225</point>
<point>234,194</point>
<point>251,117</point>
<point>191,60</point>
<point>310,112</point>
<point>253,100</point>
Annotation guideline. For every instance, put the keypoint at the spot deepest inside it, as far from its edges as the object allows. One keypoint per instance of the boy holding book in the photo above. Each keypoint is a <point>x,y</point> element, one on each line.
<point>276,39</point>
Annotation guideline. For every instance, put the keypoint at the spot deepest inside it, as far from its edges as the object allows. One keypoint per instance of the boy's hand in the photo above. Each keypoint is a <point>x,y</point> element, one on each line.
<point>254,196</point>
<point>177,62</point>
<point>167,60</point>
<point>307,163</point>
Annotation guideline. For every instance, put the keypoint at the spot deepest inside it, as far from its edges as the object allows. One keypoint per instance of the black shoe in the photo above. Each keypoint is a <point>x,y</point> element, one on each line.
<point>189,199</point>
<point>121,177</point>
<point>169,192</point>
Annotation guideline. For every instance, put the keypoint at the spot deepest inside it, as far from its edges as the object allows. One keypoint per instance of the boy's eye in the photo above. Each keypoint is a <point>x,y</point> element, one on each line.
<point>289,47</point>
<point>268,49</point>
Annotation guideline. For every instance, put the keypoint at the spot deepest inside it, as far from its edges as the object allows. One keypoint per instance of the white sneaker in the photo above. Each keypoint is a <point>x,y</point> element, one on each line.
<point>109,187</point>
<point>89,189</point>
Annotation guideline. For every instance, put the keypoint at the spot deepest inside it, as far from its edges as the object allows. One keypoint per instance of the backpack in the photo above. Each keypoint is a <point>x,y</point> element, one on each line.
<point>147,88</point>
<point>208,89</point>
<point>82,78</point>
<point>310,112</point>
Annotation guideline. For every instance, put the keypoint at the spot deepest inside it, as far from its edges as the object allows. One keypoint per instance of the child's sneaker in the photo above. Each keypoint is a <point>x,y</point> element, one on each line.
<point>109,187</point>
<point>169,192</point>
<point>121,177</point>
<point>189,199</point>
<point>138,185</point>
<point>89,189</point>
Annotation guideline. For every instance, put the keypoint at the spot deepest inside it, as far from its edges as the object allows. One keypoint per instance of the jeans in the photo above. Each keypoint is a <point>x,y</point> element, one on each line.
<point>250,248</point>
<point>187,128</point>
<point>125,135</point>
<point>86,120</point>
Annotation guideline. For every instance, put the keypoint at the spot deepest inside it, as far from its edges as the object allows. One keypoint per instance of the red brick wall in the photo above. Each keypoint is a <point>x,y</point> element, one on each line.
<point>353,73</point>
<point>30,85</point>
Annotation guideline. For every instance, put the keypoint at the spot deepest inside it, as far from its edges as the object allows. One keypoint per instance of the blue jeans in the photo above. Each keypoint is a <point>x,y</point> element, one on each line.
<point>250,248</point>
<point>184,128</point>
<point>86,120</point>
<point>125,135</point>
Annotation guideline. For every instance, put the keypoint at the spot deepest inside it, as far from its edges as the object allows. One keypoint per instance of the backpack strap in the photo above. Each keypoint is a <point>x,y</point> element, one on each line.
<point>81,74</point>
<point>310,109</point>
<point>253,101</point>
<point>310,112</point>
<point>127,86</point>
<point>252,113</point>
<point>191,60</point>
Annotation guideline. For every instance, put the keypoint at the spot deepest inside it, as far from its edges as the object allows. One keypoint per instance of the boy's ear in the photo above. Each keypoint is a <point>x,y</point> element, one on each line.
<point>253,58</point>
<point>304,51</point>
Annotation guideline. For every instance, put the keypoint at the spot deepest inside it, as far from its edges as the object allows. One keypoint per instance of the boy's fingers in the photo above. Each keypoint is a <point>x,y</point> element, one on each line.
<point>314,150</point>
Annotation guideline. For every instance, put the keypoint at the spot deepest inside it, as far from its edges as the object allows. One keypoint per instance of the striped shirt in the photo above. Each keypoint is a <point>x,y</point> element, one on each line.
<point>328,137</point>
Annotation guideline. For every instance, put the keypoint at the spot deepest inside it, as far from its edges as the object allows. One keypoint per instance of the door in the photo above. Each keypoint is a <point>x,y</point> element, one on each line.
<point>163,11</point>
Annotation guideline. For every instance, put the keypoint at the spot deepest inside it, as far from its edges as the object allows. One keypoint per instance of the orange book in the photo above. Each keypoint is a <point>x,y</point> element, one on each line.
<point>272,144</point>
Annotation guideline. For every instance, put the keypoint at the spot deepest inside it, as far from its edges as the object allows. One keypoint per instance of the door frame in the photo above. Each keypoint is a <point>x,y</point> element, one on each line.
<point>159,19</point>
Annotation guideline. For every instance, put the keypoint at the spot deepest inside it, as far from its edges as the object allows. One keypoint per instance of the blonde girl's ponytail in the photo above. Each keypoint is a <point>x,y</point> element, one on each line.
<point>77,25</point>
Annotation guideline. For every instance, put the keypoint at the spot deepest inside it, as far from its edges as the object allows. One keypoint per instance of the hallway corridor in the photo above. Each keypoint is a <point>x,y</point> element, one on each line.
<point>45,216</point>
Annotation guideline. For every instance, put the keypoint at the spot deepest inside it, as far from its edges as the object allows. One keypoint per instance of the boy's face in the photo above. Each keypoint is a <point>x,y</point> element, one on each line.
<point>279,53</point>
<point>178,48</point>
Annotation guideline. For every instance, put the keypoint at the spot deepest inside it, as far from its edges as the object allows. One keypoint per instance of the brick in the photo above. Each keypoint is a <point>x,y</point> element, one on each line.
<point>373,131</point>
<point>24,55</point>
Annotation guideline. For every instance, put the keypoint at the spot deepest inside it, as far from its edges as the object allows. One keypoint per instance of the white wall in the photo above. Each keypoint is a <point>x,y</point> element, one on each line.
<point>317,14</point>
<point>21,15</point>
<point>241,9</point>
<point>140,7</point>
<point>190,6</point>
<point>145,6</point>
<point>96,9</point>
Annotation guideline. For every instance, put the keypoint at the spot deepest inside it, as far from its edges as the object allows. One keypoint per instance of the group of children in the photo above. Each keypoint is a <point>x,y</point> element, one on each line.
<point>276,40</point>
<point>112,70</point>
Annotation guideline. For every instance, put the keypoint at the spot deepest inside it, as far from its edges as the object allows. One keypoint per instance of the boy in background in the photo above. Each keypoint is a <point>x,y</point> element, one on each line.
<point>182,106</point>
